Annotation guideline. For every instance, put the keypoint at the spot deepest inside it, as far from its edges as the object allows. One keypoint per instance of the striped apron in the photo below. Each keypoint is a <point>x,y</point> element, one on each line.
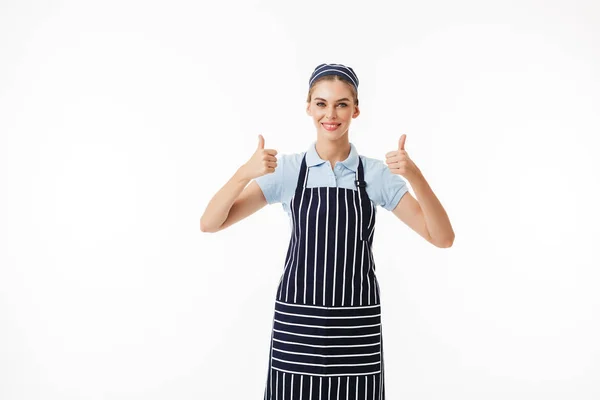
<point>326,340</point>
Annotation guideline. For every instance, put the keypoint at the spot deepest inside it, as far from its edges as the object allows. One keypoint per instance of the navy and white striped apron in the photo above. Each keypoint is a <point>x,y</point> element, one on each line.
<point>326,341</point>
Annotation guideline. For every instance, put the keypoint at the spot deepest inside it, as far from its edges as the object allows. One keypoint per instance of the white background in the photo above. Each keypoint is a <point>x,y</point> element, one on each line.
<point>119,120</point>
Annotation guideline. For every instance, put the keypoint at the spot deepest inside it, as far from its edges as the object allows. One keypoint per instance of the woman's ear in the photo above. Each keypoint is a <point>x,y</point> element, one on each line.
<point>356,112</point>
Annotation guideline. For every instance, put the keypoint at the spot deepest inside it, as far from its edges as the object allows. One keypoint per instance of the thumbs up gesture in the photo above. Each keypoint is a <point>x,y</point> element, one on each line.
<point>400,163</point>
<point>262,162</point>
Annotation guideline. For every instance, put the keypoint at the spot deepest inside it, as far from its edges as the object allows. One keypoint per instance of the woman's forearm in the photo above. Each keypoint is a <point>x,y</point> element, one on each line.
<point>436,218</point>
<point>218,208</point>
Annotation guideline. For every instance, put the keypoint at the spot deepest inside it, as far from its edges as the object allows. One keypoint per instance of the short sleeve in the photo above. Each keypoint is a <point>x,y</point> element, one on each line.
<point>393,187</point>
<point>271,184</point>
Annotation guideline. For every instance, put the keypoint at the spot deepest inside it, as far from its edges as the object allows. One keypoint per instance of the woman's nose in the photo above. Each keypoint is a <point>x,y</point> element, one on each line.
<point>331,114</point>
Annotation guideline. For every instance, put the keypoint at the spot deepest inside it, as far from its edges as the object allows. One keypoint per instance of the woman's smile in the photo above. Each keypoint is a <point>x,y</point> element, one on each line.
<point>330,127</point>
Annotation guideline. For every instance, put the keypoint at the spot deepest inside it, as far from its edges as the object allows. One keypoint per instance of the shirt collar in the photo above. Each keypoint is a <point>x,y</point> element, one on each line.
<point>312,157</point>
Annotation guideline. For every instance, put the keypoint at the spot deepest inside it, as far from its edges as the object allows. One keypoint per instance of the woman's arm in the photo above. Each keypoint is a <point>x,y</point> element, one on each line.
<point>227,206</point>
<point>426,216</point>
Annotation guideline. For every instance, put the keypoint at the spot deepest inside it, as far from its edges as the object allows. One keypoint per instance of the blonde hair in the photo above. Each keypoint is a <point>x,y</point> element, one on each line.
<point>333,78</point>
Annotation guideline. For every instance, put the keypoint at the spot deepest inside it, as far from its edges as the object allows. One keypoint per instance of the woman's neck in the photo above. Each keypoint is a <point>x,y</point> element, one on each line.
<point>333,151</point>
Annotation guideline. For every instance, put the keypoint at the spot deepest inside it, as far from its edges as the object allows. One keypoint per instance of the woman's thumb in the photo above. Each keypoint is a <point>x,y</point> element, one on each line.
<point>261,142</point>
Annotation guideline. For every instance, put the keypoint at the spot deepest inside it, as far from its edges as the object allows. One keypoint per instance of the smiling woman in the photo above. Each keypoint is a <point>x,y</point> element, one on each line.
<point>326,337</point>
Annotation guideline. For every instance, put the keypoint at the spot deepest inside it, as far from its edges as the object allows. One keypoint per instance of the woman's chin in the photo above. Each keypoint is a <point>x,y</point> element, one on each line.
<point>332,135</point>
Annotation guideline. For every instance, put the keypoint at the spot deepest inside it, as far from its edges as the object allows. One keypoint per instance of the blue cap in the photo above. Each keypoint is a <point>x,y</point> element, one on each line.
<point>343,71</point>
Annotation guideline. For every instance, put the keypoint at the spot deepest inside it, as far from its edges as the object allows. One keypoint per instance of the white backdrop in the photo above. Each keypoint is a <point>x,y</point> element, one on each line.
<point>119,121</point>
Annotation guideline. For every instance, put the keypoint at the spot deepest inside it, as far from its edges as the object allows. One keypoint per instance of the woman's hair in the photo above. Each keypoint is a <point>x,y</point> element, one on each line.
<point>333,78</point>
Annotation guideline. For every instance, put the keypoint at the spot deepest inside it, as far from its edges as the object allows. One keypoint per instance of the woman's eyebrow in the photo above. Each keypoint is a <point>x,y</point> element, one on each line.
<point>344,99</point>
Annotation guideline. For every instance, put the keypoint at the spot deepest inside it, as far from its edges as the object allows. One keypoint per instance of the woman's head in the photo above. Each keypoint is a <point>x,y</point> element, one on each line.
<point>333,99</point>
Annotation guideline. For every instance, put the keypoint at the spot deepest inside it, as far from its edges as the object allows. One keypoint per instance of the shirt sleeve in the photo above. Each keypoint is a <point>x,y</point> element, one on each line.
<point>393,187</point>
<point>271,184</point>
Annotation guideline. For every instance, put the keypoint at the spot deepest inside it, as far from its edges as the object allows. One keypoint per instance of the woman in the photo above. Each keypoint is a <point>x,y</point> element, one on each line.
<point>326,340</point>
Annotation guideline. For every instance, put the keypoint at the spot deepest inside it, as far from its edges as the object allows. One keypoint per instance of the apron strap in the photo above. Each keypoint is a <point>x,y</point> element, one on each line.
<point>363,199</point>
<point>301,177</point>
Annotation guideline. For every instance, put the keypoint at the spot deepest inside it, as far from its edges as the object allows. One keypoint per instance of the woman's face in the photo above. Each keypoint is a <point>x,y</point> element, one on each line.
<point>332,106</point>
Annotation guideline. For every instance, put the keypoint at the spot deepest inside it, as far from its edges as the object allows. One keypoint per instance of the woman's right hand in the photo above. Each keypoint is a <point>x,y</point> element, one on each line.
<point>262,162</point>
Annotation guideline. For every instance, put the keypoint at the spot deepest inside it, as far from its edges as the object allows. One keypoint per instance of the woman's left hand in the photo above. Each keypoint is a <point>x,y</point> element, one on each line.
<point>400,163</point>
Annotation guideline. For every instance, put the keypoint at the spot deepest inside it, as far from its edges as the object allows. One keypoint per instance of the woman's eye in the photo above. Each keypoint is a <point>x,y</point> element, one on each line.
<point>321,104</point>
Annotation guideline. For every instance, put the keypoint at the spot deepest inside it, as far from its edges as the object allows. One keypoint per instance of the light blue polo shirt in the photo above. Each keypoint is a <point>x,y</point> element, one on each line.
<point>384,188</point>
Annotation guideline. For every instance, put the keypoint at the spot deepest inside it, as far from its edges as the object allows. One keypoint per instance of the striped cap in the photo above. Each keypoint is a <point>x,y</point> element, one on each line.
<point>343,71</point>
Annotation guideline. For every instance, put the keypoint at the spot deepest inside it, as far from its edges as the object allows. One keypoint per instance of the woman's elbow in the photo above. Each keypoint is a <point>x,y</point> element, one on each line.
<point>206,228</point>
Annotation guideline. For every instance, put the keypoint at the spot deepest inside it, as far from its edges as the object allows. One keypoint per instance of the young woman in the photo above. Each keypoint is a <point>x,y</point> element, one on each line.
<point>326,340</point>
